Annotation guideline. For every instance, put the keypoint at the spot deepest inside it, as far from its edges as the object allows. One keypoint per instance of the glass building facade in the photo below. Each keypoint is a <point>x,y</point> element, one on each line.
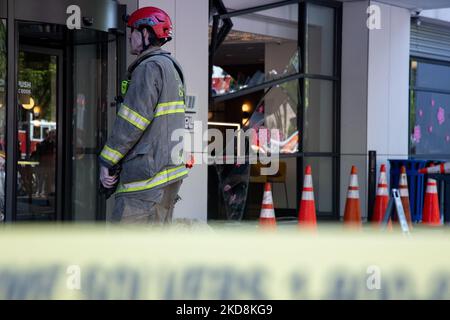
<point>57,89</point>
<point>276,67</point>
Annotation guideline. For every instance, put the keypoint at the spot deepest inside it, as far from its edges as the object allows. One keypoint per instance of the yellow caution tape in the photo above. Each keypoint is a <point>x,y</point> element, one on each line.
<point>145,263</point>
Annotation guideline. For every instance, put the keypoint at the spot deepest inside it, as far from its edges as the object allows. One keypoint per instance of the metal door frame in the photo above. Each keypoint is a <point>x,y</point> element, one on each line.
<point>101,15</point>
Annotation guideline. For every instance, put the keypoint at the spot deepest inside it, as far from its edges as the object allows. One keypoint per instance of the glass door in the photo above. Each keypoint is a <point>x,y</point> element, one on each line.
<point>93,88</point>
<point>67,82</point>
<point>58,100</point>
<point>37,132</point>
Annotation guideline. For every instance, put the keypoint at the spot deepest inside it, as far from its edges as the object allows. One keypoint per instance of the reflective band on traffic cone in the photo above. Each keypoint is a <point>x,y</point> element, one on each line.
<point>404,194</point>
<point>443,168</point>
<point>307,212</point>
<point>267,215</point>
<point>382,198</point>
<point>430,213</point>
<point>352,212</point>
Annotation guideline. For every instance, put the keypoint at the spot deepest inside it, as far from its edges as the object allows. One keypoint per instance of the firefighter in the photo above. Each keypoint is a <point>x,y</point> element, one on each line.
<point>141,144</point>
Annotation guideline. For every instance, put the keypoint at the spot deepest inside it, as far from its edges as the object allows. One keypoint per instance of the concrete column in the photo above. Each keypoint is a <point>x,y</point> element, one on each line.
<point>388,85</point>
<point>355,41</point>
<point>374,93</point>
<point>190,47</point>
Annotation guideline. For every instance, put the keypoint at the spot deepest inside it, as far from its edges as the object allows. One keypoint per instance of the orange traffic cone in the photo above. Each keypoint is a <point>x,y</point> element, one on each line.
<point>307,212</point>
<point>267,215</point>
<point>443,168</point>
<point>382,198</point>
<point>430,213</point>
<point>404,195</point>
<point>352,212</point>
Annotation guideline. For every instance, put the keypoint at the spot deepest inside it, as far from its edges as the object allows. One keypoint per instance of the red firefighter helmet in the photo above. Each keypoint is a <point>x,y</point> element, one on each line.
<point>154,18</point>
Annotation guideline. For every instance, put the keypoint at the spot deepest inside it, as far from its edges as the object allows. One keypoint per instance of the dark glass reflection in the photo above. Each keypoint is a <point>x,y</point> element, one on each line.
<point>37,132</point>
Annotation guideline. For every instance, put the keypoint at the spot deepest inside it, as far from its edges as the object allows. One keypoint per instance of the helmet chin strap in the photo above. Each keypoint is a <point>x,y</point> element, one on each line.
<point>144,46</point>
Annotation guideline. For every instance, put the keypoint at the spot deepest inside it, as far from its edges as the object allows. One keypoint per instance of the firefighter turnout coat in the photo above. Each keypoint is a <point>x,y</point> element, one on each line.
<point>141,141</point>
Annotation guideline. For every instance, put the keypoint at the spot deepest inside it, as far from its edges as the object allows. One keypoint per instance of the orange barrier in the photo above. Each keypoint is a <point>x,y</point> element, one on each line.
<point>352,212</point>
<point>267,215</point>
<point>443,168</point>
<point>404,195</point>
<point>382,198</point>
<point>307,212</point>
<point>430,214</point>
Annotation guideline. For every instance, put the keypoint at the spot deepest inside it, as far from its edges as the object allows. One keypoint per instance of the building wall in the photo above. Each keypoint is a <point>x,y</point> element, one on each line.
<point>388,83</point>
<point>374,101</point>
<point>355,44</point>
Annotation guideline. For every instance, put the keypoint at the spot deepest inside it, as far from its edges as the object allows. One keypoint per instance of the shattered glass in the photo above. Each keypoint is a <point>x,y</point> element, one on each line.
<point>275,113</point>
